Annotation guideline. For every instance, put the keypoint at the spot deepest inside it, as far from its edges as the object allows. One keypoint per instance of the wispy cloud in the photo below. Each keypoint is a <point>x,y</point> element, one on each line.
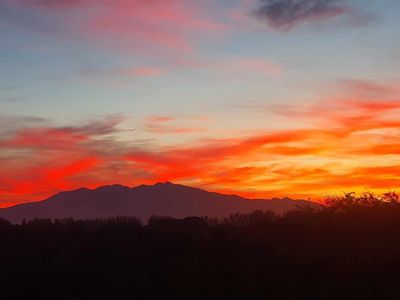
<point>140,25</point>
<point>256,66</point>
<point>136,71</point>
<point>170,125</point>
<point>234,65</point>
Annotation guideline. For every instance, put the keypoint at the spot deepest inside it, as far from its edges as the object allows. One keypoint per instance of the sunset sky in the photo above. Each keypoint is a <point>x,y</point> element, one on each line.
<point>261,98</point>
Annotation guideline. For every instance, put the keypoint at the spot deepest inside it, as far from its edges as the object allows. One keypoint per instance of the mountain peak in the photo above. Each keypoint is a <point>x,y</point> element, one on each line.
<point>112,187</point>
<point>165,183</point>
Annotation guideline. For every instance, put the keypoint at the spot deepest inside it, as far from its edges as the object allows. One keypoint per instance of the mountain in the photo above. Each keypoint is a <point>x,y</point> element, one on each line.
<point>162,199</point>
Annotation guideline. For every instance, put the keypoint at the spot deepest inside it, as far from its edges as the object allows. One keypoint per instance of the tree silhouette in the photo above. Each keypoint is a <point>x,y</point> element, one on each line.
<point>348,249</point>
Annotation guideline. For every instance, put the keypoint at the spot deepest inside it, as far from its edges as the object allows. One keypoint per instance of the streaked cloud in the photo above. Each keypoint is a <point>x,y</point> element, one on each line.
<point>150,27</point>
<point>134,72</point>
<point>171,125</point>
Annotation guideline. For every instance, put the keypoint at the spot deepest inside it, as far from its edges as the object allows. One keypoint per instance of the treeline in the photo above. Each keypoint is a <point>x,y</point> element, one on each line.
<point>348,249</point>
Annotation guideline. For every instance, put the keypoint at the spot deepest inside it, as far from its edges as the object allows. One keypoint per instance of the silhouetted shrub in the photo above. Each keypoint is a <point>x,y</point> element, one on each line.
<point>352,201</point>
<point>4,222</point>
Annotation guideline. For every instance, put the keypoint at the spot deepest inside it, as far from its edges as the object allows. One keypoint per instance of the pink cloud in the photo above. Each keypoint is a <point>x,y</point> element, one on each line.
<point>234,66</point>
<point>160,119</point>
<point>369,89</point>
<point>253,65</point>
<point>142,71</point>
<point>170,125</point>
<point>149,26</point>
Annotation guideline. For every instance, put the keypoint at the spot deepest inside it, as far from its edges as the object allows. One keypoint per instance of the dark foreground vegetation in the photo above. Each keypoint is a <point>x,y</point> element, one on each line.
<point>348,250</point>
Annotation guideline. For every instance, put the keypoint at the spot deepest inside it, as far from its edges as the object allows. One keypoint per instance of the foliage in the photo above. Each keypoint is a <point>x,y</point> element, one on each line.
<point>352,201</point>
<point>348,249</point>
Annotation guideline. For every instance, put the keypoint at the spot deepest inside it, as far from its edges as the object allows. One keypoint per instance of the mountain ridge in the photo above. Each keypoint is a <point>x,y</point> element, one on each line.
<point>143,201</point>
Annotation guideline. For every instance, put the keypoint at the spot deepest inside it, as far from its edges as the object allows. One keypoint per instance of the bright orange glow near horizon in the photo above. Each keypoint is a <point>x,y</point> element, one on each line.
<point>346,145</point>
<point>251,97</point>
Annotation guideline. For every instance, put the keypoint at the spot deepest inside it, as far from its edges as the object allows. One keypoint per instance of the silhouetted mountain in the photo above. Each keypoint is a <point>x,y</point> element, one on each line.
<point>162,199</point>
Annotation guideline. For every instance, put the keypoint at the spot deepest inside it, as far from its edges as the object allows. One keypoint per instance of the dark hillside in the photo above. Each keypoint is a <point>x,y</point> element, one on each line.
<point>143,201</point>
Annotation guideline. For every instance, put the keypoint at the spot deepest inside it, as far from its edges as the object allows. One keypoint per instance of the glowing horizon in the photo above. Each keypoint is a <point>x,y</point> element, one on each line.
<point>258,98</point>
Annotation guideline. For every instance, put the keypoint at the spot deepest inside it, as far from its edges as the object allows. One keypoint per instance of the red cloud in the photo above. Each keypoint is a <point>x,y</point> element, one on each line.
<point>44,138</point>
<point>347,149</point>
<point>71,169</point>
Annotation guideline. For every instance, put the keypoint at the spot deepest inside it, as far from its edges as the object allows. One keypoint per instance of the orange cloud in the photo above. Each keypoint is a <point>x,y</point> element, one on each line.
<point>345,145</point>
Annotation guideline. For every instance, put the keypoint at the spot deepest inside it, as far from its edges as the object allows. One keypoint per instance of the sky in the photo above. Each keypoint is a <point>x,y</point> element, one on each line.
<point>261,98</point>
